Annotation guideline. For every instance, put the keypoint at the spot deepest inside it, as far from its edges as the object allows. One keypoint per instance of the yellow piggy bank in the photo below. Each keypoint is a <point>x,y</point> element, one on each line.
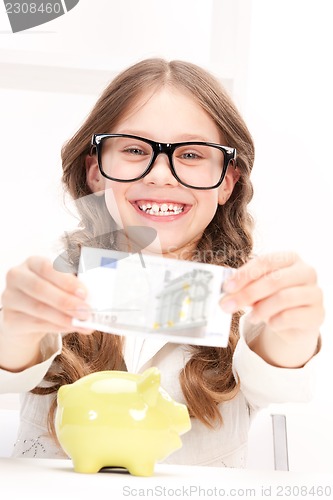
<point>118,419</point>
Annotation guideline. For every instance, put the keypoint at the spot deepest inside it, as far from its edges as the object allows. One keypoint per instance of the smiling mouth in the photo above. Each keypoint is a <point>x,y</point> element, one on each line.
<point>161,209</point>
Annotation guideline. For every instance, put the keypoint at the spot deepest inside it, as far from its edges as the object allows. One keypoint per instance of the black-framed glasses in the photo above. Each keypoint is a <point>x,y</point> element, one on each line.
<point>195,164</point>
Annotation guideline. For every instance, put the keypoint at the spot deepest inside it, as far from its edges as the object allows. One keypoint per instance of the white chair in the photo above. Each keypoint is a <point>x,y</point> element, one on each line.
<point>260,444</point>
<point>302,440</point>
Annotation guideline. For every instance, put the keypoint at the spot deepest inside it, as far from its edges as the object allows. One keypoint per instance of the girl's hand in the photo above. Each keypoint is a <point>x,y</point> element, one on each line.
<point>37,300</point>
<point>283,292</point>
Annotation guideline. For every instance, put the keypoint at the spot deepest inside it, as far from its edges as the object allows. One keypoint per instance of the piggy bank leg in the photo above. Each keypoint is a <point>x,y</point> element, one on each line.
<point>86,465</point>
<point>144,468</point>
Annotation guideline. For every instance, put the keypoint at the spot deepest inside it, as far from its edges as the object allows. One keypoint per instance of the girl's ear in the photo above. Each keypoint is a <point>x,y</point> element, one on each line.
<point>228,184</point>
<point>95,180</point>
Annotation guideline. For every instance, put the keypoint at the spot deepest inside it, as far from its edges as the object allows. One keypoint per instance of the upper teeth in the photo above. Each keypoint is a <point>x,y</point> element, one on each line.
<point>161,209</point>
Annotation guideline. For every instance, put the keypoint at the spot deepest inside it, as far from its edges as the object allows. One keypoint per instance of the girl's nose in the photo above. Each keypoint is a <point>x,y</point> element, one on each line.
<point>161,174</point>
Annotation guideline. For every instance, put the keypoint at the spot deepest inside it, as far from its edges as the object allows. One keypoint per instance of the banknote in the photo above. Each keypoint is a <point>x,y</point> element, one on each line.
<point>153,296</point>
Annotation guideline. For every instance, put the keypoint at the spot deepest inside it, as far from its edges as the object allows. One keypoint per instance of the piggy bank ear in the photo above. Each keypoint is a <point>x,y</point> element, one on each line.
<point>148,385</point>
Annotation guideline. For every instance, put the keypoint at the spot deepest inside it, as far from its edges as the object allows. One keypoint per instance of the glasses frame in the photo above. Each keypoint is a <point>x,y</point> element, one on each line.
<point>162,148</point>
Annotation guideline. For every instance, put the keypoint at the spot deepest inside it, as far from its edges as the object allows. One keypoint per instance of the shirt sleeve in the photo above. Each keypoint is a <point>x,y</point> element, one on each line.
<point>29,378</point>
<point>263,384</point>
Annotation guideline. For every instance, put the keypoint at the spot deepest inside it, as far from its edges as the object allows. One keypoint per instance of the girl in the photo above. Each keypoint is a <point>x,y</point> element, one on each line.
<point>163,158</point>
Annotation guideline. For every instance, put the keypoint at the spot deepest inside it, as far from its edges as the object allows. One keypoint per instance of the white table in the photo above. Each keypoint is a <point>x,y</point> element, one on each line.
<point>25,478</point>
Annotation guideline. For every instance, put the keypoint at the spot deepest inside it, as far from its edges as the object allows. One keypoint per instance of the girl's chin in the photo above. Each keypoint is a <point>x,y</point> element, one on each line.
<point>151,241</point>
<point>169,250</point>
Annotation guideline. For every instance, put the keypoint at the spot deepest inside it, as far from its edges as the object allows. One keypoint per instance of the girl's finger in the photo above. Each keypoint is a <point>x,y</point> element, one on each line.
<point>299,319</point>
<point>44,269</point>
<point>25,324</point>
<point>48,292</point>
<point>258,267</point>
<point>67,282</point>
<point>270,284</point>
<point>286,300</point>
<point>19,302</point>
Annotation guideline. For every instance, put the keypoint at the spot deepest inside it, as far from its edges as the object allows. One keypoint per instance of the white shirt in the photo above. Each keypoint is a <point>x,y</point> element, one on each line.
<point>225,446</point>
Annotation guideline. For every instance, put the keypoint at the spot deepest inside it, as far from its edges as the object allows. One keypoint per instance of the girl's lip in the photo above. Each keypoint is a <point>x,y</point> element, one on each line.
<point>142,201</point>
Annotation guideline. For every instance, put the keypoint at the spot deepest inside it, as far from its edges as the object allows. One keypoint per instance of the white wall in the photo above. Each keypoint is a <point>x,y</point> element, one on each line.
<point>289,108</point>
<point>276,56</point>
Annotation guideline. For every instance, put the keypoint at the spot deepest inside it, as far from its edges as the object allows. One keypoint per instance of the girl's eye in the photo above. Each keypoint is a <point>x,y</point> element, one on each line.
<point>134,151</point>
<point>190,156</point>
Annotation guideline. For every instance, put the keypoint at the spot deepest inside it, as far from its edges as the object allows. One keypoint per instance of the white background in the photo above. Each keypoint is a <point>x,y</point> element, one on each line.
<point>275,56</point>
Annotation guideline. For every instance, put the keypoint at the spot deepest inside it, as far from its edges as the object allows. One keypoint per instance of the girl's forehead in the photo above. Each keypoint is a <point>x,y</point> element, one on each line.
<point>138,103</point>
<point>168,92</point>
<point>170,105</point>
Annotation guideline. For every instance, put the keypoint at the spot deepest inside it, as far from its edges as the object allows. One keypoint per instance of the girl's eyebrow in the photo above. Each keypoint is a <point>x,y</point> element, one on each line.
<point>194,137</point>
<point>180,138</point>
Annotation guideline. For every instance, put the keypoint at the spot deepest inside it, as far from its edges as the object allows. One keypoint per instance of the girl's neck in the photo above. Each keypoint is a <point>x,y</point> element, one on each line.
<point>145,241</point>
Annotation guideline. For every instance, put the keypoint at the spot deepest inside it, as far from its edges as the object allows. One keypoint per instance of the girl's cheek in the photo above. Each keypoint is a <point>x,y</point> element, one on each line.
<point>113,206</point>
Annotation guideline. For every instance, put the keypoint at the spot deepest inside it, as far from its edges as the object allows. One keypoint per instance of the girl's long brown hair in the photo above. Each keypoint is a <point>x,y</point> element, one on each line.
<point>207,377</point>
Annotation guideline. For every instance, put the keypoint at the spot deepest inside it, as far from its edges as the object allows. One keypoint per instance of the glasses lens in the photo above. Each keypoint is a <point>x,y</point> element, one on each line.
<point>125,158</point>
<point>198,165</point>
